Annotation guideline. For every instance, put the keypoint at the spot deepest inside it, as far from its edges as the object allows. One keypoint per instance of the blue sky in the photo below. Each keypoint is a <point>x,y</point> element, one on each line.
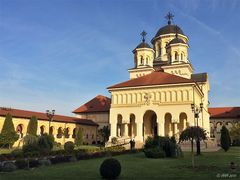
<point>59,54</point>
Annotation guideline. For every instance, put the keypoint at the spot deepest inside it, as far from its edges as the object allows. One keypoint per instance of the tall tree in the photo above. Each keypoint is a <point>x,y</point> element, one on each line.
<point>8,134</point>
<point>225,139</point>
<point>79,137</point>
<point>105,133</point>
<point>32,126</point>
<point>192,134</point>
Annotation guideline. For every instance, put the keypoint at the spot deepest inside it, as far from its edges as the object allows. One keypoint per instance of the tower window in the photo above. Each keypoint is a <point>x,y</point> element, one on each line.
<point>182,56</point>
<point>147,60</point>
<point>141,60</point>
<point>176,56</point>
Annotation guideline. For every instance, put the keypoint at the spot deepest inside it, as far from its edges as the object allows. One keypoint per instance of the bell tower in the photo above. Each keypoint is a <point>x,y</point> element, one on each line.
<point>171,49</point>
<point>143,59</point>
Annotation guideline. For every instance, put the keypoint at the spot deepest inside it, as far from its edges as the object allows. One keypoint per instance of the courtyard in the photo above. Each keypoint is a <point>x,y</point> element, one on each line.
<point>210,165</point>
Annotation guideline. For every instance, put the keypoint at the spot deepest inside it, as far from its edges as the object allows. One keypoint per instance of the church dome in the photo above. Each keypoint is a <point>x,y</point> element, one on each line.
<point>176,41</point>
<point>143,45</point>
<point>168,29</point>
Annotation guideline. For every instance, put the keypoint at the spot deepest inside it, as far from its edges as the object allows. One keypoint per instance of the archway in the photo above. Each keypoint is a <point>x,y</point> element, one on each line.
<point>132,126</point>
<point>42,130</point>
<point>149,124</point>
<point>182,122</point>
<point>119,126</point>
<point>168,125</point>
<point>60,132</point>
<point>19,130</point>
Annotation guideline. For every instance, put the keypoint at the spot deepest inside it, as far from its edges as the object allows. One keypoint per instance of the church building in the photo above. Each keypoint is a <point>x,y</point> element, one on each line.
<point>163,95</point>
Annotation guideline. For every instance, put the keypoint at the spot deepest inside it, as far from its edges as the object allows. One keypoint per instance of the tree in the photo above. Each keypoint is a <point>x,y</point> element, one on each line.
<point>225,139</point>
<point>79,137</point>
<point>192,134</point>
<point>105,133</point>
<point>8,135</point>
<point>235,134</point>
<point>32,126</point>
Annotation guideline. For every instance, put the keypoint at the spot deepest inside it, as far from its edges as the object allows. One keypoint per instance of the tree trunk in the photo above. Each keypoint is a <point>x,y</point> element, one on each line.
<point>193,163</point>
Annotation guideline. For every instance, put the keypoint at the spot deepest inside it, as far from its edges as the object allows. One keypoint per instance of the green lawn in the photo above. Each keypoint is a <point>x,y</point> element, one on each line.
<point>136,166</point>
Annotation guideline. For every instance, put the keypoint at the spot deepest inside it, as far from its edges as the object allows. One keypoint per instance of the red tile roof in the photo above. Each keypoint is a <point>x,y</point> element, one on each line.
<point>154,78</point>
<point>224,112</point>
<point>98,104</point>
<point>42,116</point>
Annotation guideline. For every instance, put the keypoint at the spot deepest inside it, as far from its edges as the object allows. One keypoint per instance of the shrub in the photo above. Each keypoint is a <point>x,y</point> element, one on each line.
<point>236,142</point>
<point>69,146</point>
<point>8,134</point>
<point>32,126</point>
<point>60,159</point>
<point>8,167</point>
<point>45,143</point>
<point>225,139</point>
<point>33,163</point>
<point>28,148</point>
<point>154,152</point>
<point>30,139</point>
<point>168,145</point>
<point>21,164</point>
<point>110,168</point>
<point>17,153</point>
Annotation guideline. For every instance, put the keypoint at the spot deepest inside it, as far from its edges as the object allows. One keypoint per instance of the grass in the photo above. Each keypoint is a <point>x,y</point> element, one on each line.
<point>136,166</point>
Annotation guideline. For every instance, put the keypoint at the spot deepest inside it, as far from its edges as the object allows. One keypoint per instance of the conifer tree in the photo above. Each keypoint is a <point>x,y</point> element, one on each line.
<point>32,126</point>
<point>225,139</point>
<point>79,137</point>
<point>8,134</point>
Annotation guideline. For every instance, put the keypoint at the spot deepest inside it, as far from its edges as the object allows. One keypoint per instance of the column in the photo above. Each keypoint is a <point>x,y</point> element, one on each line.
<point>125,130</point>
<point>113,127</point>
<point>184,124</point>
<point>175,128</point>
<point>161,129</point>
<point>118,130</point>
<point>139,136</point>
<point>170,129</point>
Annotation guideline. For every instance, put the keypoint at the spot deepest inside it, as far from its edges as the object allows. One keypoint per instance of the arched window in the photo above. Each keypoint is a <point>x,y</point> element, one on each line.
<point>182,56</point>
<point>141,60</point>
<point>60,132</point>
<point>66,133</point>
<point>147,60</point>
<point>74,133</point>
<point>19,130</point>
<point>42,130</point>
<point>176,56</point>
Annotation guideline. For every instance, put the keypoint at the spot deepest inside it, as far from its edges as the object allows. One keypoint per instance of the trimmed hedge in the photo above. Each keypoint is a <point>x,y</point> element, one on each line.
<point>154,153</point>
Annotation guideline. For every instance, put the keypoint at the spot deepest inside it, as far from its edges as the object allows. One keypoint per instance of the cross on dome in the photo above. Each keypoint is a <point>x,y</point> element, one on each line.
<point>169,17</point>
<point>143,34</point>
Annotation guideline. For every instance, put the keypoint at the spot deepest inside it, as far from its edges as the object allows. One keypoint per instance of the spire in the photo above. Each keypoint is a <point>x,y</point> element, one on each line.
<point>169,17</point>
<point>143,34</point>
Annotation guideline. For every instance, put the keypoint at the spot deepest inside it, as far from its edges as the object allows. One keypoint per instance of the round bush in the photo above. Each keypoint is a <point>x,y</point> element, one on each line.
<point>110,168</point>
<point>69,146</point>
<point>154,153</point>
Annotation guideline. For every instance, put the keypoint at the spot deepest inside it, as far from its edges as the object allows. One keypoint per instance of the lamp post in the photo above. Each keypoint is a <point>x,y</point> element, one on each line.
<point>50,115</point>
<point>197,110</point>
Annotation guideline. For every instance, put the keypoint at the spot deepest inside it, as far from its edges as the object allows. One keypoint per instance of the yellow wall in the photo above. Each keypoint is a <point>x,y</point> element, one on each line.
<point>91,131</point>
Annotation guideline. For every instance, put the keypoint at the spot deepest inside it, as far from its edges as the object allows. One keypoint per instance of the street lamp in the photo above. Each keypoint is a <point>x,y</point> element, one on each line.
<point>50,115</point>
<point>197,110</point>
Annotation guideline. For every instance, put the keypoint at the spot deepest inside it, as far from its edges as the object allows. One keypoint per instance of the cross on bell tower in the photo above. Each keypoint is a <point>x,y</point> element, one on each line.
<point>169,17</point>
<point>143,34</point>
